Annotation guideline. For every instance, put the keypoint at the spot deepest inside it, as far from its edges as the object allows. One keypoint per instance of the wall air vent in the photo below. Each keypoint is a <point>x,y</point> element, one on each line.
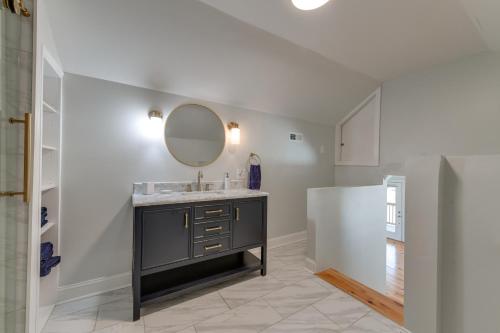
<point>296,137</point>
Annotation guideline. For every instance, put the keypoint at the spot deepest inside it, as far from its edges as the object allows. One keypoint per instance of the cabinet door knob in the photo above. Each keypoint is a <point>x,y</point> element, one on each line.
<point>237,213</point>
<point>186,220</point>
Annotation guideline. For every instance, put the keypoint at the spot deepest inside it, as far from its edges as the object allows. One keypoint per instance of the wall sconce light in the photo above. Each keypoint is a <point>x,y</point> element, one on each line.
<point>234,130</point>
<point>153,127</point>
<point>156,117</point>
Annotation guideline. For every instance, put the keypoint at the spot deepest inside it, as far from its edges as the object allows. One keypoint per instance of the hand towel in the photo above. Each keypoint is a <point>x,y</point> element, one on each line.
<point>254,178</point>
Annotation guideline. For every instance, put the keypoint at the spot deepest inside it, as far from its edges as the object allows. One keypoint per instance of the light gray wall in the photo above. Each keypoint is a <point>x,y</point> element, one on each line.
<point>452,109</point>
<point>471,245</point>
<point>105,151</point>
<point>452,244</point>
<point>348,231</point>
<point>44,31</point>
<point>422,232</point>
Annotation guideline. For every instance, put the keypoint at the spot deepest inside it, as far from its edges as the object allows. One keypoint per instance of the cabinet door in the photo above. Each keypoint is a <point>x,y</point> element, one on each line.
<point>247,223</point>
<point>165,236</point>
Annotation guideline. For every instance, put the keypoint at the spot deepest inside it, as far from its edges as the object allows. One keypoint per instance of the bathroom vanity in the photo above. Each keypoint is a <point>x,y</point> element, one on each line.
<point>187,241</point>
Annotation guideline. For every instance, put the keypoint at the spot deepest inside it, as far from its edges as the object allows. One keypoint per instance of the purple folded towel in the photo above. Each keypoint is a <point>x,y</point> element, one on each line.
<point>254,178</point>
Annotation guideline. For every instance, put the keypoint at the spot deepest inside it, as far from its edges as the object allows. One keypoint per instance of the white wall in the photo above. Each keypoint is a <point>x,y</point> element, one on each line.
<point>453,242</point>
<point>452,109</point>
<point>347,231</point>
<point>423,221</point>
<point>471,245</point>
<point>105,150</point>
<point>44,33</point>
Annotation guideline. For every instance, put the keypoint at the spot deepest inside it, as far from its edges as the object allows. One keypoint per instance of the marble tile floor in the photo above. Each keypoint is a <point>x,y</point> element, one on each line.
<point>288,299</point>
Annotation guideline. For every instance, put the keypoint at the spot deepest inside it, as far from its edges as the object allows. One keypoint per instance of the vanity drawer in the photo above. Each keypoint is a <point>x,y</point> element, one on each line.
<point>212,211</point>
<point>212,246</point>
<point>212,228</point>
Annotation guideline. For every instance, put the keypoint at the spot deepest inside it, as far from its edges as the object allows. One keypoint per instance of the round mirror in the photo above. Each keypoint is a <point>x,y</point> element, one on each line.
<point>194,135</point>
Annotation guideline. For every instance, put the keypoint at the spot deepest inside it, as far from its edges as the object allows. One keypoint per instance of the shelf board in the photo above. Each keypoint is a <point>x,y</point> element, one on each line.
<point>49,148</point>
<point>196,276</point>
<point>49,108</point>
<point>46,227</point>
<point>48,187</point>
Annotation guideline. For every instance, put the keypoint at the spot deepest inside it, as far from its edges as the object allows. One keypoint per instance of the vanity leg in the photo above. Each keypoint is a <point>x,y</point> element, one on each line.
<point>263,260</point>
<point>136,267</point>
<point>136,294</point>
<point>137,310</point>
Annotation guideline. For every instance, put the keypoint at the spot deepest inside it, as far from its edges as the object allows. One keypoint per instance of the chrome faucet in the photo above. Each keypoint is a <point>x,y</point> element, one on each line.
<point>198,183</point>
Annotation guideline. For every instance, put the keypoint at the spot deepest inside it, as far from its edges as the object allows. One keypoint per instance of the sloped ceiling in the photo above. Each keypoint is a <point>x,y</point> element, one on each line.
<point>380,38</point>
<point>189,48</point>
<point>486,15</point>
<point>265,54</point>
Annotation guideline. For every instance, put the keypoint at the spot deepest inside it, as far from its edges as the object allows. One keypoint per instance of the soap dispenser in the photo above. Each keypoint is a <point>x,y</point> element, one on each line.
<point>227,181</point>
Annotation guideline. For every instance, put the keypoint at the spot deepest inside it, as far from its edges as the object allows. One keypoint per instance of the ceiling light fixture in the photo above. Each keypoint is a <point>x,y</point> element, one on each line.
<point>308,4</point>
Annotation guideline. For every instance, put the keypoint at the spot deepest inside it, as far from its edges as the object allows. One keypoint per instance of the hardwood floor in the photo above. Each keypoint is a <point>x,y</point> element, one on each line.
<point>390,304</point>
<point>383,304</point>
<point>395,270</point>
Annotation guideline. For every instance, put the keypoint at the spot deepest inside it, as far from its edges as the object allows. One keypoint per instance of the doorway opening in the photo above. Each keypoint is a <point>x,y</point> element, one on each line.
<point>395,248</point>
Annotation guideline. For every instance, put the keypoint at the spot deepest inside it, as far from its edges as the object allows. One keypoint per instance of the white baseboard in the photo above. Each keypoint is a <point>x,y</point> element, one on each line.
<point>311,265</point>
<point>43,316</point>
<point>93,287</point>
<point>286,239</point>
<point>101,285</point>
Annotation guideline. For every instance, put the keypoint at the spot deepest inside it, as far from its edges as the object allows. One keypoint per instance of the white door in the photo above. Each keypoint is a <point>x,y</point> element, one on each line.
<point>395,209</point>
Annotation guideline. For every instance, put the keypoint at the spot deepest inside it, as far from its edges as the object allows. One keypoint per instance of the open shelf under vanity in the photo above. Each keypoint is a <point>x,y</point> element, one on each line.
<point>171,283</point>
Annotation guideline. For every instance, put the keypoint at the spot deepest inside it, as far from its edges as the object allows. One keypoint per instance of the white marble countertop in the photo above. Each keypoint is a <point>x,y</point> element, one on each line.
<point>139,200</point>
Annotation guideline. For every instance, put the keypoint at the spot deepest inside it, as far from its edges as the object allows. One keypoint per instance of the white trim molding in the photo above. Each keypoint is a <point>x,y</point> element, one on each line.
<point>93,287</point>
<point>286,239</point>
<point>377,96</point>
<point>310,265</point>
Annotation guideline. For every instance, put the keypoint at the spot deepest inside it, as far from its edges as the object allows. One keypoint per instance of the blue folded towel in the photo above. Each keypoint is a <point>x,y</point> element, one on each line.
<point>46,250</point>
<point>43,215</point>
<point>254,178</point>
<point>47,265</point>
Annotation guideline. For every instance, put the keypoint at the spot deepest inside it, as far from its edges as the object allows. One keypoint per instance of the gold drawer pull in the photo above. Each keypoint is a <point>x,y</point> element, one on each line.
<point>213,229</point>
<point>186,220</point>
<point>213,247</point>
<point>237,213</point>
<point>218,211</point>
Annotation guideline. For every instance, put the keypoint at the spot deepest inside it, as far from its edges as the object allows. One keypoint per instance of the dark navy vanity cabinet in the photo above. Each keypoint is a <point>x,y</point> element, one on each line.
<point>180,248</point>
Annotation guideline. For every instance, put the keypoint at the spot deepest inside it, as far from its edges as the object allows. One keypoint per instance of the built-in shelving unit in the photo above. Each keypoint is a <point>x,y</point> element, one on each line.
<point>48,187</point>
<point>49,108</point>
<point>47,227</point>
<point>50,178</point>
<point>49,148</point>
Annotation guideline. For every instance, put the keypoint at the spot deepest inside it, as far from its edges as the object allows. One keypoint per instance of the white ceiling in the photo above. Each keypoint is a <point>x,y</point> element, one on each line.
<point>486,15</point>
<point>380,38</point>
<point>189,48</point>
<point>265,54</point>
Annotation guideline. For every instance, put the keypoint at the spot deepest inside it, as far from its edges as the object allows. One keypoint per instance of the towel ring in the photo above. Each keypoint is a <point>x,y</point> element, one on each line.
<point>254,159</point>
